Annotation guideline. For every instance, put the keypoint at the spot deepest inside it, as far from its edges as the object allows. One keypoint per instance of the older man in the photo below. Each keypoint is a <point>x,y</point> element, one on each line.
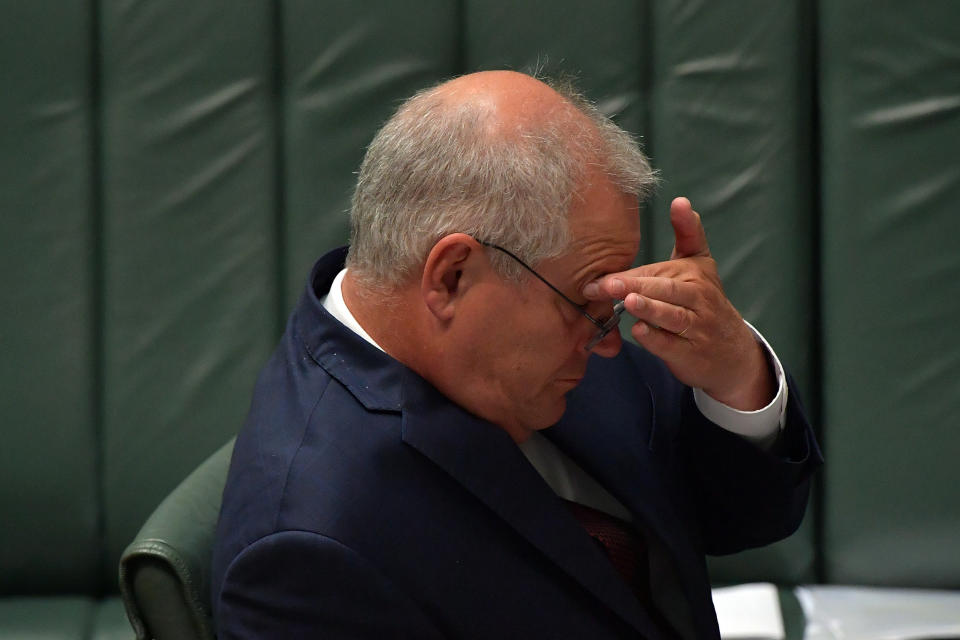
<point>435,451</point>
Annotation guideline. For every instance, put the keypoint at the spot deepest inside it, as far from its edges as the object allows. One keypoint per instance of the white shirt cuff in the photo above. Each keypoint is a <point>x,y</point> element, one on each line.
<point>761,426</point>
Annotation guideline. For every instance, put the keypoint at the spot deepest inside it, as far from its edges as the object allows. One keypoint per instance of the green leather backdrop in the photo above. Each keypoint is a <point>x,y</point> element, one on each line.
<point>189,256</point>
<point>50,453</point>
<point>891,292</point>
<point>169,170</point>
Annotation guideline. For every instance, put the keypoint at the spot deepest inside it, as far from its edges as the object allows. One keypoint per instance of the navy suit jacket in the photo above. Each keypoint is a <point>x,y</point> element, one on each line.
<point>362,503</point>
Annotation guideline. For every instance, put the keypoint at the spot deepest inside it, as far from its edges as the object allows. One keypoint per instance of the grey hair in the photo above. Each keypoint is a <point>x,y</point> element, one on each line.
<point>437,168</point>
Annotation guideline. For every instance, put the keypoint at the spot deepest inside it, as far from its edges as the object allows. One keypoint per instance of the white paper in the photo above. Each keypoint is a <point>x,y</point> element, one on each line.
<point>749,612</point>
<point>872,613</point>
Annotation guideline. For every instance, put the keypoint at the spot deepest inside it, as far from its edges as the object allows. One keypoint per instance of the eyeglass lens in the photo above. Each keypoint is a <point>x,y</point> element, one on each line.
<point>607,326</point>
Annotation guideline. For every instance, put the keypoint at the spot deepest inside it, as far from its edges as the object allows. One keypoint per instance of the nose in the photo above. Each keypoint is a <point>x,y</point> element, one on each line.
<point>609,346</point>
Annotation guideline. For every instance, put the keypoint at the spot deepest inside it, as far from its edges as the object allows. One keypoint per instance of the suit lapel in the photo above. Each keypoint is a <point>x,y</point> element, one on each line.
<point>486,462</point>
<point>617,448</point>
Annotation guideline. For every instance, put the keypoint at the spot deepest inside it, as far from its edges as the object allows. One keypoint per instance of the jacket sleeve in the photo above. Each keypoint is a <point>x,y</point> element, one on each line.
<point>745,496</point>
<point>297,584</point>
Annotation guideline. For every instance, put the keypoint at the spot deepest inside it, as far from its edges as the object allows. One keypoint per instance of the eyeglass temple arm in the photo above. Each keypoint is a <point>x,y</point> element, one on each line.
<point>543,280</point>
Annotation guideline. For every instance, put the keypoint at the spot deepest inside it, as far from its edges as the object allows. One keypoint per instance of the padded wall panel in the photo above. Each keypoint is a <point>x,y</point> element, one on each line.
<point>600,45</point>
<point>110,621</point>
<point>190,260</point>
<point>48,488</point>
<point>891,281</point>
<point>347,66</point>
<point>731,128</point>
<point>56,618</point>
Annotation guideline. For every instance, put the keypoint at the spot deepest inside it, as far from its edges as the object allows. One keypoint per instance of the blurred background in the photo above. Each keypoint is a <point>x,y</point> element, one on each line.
<point>170,169</point>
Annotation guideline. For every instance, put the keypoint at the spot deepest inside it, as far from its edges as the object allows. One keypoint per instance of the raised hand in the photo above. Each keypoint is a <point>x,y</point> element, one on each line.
<point>685,319</point>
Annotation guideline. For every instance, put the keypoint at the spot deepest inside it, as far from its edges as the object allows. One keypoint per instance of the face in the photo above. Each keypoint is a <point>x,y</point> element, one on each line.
<point>532,352</point>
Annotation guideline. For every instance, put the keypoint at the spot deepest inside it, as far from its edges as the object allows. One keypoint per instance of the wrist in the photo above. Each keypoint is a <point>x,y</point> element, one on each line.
<point>753,389</point>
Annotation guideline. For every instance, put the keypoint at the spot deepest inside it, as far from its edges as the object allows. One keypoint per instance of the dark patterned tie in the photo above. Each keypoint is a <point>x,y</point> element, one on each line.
<point>626,551</point>
<point>616,537</point>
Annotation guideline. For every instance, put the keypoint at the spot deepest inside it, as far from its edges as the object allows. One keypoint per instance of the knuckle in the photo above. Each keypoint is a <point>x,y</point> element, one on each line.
<point>673,289</point>
<point>678,318</point>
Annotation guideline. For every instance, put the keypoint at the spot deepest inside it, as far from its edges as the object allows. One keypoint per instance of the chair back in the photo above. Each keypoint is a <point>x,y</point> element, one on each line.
<point>165,571</point>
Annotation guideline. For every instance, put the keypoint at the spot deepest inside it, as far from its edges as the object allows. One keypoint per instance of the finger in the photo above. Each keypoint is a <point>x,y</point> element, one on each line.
<point>660,280</point>
<point>661,287</point>
<point>669,317</point>
<point>666,289</point>
<point>690,239</point>
<point>605,288</point>
<point>661,343</point>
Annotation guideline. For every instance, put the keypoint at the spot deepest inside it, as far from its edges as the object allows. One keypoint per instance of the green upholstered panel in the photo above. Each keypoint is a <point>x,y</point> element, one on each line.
<point>891,183</point>
<point>54,618</point>
<point>602,46</point>
<point>48,487</point>
<point>347,66</point>
<point>730,130</point>
<point>165,571</point>
<point>189,247</point>
<point>110,621</point>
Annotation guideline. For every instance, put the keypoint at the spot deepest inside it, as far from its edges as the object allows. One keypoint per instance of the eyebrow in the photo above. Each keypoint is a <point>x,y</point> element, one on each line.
<point>604,274</point>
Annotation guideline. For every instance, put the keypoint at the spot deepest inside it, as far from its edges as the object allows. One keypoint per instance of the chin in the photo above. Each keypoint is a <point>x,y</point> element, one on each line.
<point>551,414</point>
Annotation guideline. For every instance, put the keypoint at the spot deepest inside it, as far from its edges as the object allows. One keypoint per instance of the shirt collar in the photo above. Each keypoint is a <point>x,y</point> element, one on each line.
<point>372,376</point>
<point>333,302</point>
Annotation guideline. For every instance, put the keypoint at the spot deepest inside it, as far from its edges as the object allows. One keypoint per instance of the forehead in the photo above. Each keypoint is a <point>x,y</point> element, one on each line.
<point>604,224</point>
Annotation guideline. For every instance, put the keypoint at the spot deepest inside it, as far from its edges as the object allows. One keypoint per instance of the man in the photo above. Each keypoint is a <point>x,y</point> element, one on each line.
<point>450,441</point>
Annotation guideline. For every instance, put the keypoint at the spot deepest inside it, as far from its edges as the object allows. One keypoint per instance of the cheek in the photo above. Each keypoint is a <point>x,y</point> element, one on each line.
<point>536,365</point>
<point>527,345</point>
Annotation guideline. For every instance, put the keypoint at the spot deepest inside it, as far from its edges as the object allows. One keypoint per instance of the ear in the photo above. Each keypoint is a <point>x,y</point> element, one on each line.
<point>447,273</point>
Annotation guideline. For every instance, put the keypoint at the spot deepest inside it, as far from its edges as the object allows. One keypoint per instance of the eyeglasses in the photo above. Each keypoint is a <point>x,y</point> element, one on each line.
<point>604,327</point>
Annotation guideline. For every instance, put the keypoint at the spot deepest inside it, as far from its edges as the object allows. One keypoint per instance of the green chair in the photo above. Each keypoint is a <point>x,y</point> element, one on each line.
<point>165,571</point>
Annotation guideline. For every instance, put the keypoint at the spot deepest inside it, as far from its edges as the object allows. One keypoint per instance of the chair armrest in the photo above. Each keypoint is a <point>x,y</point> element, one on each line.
<point>165,571</point>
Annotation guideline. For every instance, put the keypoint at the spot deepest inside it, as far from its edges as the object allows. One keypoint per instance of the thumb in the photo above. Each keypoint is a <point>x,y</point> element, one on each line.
<point>689,237</point>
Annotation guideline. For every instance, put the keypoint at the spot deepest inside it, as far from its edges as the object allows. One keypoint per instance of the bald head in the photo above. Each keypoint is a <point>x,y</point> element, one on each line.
<point>497,155</point>
<point>518,104</point>
<point>498,84</point>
